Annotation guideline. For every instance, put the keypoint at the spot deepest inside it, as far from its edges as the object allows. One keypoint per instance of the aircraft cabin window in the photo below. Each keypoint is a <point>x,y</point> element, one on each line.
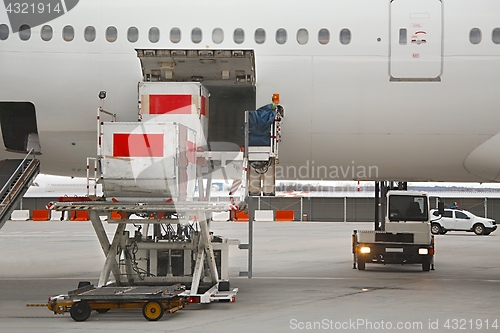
<point>154,35</point>
<point>495,35</point>
<point>345,36</point>
<point>25,32</point>
<point>111,34</point>
<point>324,36</point>
<point>217,35</point>
<point>260,36</point>
<point>475,36</point>
<point>68,33</point>
<point>196,35</point>
<point>4,31</point>
<point>175,35</point>
<point>302,36</point>
<point>239,36</point>
<point>403,36</point>
<point>89,34</point>
<point>281,36</point>
<point>133,34</point>
<point>46,33</point>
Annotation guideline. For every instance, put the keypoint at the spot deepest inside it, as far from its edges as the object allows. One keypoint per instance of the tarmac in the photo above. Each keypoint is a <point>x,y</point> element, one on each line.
<point>303,281</point>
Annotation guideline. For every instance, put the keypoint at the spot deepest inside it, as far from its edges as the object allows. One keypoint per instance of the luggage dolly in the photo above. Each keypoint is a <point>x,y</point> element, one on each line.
<point>153,300</point>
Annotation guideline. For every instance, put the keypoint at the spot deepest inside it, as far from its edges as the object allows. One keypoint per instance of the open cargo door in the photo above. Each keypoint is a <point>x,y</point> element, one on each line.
<point>229,76</point>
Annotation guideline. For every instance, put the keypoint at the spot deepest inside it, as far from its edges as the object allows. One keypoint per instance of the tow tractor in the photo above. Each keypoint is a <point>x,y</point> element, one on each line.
<point>149,171</point>
<point>407,236</point>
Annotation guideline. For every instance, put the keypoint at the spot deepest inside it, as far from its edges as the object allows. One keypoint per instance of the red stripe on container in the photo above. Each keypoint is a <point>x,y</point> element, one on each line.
<point>177,104</point>
<point>137,145</point>
<point>203,106</point>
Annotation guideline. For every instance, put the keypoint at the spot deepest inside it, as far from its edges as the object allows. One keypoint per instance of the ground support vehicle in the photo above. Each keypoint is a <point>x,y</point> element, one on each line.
<point>406,239</point>
<point>151,169</point>
<point>154,301</point>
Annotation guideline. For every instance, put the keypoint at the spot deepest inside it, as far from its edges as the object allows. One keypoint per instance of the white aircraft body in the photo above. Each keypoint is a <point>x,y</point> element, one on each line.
<point>372,89</point>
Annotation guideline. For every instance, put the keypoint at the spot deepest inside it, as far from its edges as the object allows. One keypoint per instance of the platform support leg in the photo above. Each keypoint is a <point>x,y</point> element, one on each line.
<point>198,269</point>
<point>104,241</point>
<point>209,250</point>
<point>205,250</point>
<point>99,231</point>
<point>110,264</point>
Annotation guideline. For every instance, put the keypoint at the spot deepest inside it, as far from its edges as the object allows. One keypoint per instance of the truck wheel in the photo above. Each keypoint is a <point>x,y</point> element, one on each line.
<point>478,229</point>
<point>361,264</point>
<point>426,265</point>
<point>80,311</point>
<point>152,310</point>
<point>436,229</point>
<point>102,310</point>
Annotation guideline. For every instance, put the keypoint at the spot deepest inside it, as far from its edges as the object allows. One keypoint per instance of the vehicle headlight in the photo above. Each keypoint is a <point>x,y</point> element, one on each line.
<point>364,249</point>
<point>423,252</point>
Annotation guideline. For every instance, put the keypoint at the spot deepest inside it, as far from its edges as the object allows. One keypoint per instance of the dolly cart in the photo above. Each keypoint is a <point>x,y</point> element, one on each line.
<point>154,301</point>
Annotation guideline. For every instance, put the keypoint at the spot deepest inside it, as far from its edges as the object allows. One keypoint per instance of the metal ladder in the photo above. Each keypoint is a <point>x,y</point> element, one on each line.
<point>16,186</point>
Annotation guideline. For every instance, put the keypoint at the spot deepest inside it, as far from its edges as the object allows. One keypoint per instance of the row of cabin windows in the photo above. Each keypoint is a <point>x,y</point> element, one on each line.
<point>68,34</point>
<point>89,34</point>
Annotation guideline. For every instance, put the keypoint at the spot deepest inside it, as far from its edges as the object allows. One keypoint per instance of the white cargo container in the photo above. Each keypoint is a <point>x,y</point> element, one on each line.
<point>148,160</point>
<point>182,102</point>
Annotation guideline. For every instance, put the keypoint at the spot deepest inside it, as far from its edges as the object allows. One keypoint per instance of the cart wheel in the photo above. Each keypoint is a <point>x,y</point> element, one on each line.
<point>152,310</point>
<point>361,264</point>
<point>426,265</point>
<point>80,311</point>
<point>102,310</point>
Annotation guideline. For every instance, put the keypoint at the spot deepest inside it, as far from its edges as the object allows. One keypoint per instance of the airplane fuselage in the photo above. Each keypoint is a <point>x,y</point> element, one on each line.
<point>387,90</point>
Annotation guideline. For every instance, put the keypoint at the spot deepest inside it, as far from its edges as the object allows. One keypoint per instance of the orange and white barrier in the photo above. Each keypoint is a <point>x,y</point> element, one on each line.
<point>220,217</point>
<point>264,216</point>
<point>285,215</point>
<point>40,215</point>
<point>79,215</point>
<point>241,217</point>
<point>20,215</point>
<point>56,215</point>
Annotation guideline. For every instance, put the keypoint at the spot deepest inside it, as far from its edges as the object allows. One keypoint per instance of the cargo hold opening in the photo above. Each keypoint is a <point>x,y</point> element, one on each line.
<point>19,127</point>
<point>229,76</point>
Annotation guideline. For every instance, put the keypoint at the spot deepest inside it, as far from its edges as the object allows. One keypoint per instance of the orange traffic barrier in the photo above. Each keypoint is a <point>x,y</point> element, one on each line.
<point>79,215</point>
<point>241,217</point>
<point>41,215</point>
<point>285,215</point>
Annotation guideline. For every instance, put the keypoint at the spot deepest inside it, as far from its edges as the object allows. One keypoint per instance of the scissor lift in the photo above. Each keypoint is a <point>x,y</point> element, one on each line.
<point>149,169</point>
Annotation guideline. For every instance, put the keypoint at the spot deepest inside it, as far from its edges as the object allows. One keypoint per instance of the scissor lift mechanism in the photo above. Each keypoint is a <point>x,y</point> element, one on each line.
<point>204,247</point>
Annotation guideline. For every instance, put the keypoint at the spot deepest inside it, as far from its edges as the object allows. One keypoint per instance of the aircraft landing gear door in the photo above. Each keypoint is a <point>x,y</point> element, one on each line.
<point>416,40</point>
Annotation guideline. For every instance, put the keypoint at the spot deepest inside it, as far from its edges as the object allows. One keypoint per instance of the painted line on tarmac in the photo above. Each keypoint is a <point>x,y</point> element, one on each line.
<point>364,278</point>
<point>46,278</point>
